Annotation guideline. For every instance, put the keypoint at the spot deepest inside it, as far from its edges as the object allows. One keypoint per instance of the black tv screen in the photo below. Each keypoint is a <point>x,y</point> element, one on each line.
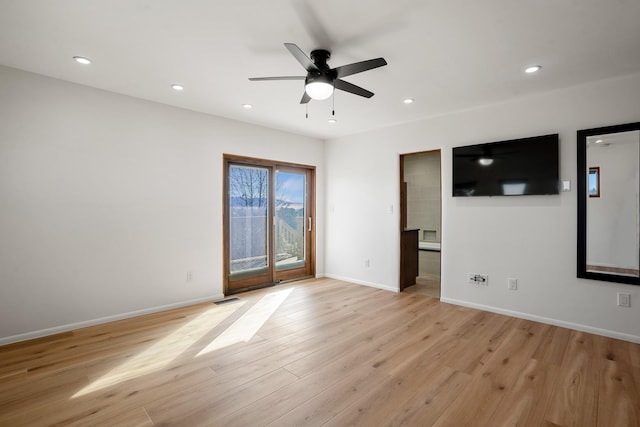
<point>526,166</point>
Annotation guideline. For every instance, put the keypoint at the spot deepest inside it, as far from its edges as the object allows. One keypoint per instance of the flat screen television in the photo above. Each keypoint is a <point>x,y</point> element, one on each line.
<point>518,167</point>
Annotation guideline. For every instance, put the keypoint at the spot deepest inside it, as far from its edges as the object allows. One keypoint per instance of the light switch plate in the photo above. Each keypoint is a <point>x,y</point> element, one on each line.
<point>624,299</point>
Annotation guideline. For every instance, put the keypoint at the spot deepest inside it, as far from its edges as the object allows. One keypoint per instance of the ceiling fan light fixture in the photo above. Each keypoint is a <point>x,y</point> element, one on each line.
<point>319,90</point>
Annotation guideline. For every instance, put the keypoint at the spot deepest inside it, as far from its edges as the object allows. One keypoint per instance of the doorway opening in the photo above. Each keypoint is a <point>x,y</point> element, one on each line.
<point>269,233</point>
<point>421,210</point>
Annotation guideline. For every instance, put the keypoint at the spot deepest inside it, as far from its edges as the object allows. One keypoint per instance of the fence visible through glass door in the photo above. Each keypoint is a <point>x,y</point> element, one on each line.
<point>248,221</point>
<point>291,220</point>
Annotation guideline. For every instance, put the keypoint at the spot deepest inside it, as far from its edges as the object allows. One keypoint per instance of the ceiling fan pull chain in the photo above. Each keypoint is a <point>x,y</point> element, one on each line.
<point>306,106</point>
<point>333,105</point>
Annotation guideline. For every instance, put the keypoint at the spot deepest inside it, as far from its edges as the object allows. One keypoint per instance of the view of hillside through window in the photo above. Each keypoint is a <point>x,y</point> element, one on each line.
<point>290,219</point>
<point>249,226</point>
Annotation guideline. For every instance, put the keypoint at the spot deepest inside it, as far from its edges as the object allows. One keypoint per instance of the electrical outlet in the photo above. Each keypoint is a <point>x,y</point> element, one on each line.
<point>624,300</point>
<point>512,284</point>
<point>477,279</point>
<point>367,263</point>
<point>189,276</point>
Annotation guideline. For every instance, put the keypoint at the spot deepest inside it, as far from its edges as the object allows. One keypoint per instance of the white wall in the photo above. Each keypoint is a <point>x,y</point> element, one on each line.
<point>107,201</point>
<point>531,238</point>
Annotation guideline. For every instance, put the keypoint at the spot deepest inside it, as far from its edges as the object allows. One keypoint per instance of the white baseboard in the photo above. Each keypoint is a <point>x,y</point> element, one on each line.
<point>547,320</point>
<point>362,282</point>
<point>92,322</point>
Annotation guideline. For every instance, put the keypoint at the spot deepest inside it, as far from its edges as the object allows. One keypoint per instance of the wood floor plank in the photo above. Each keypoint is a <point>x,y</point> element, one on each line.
<point>475,341</point>
<point>402,397</point>
<point>201,404</point>
<point>553,346</point>
<point>329,353</point>
<point>279,403</point>
<point>575,401</point>
<point>377,334</point>
<point>619,395</point>
<point>137,417</point>
<point>529,398</point>
<point>620,351</point>
<point>426,406</point>
<point>496,379</point>
<point>333,399</point>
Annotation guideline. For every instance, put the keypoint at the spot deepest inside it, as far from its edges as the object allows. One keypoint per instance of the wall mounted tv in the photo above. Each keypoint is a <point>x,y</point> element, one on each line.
<point>518,167</point>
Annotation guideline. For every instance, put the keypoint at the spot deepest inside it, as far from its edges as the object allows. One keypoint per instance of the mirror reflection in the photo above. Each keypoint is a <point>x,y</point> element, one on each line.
<point>613,211</point>
<point>609,203</point>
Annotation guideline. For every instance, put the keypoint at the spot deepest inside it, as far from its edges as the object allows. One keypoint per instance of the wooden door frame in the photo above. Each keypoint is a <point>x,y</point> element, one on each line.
<point>272,165</point>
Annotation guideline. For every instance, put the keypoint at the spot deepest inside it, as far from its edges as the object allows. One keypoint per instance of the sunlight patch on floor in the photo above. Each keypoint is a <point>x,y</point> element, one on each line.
<point>243,329</point>
<point>163,352</point>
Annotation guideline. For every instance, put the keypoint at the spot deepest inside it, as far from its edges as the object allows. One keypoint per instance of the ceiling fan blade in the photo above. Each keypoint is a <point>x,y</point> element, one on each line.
<point>305,98</point>
<point>257,79</point>
<point>303,59</point>
<point>351,88</point>
<point>358,67</point>
<point>313,24</point>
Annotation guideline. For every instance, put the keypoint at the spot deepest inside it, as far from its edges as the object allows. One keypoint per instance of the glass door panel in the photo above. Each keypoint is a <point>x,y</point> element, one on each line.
<point>248,221</point>
<point>290,220</point>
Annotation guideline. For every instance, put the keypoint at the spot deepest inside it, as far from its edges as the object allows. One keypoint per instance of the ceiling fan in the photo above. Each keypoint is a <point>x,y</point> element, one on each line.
<point>321,80</point>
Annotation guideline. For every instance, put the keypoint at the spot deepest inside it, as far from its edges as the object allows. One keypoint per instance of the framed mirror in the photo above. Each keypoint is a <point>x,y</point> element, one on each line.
<point>609,203</point>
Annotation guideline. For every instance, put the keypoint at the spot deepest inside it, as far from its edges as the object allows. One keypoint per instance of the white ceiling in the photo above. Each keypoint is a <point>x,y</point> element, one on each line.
<point>448,55</point>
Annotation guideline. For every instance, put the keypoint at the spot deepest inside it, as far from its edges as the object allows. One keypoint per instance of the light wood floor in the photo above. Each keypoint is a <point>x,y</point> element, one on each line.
<point>426,285</point>
<point>321,352</point>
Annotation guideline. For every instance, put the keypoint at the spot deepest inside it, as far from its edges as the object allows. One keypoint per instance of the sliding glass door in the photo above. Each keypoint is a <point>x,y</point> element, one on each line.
<point>292,221</point>
<point>248,221</point>
<point>268,223</point>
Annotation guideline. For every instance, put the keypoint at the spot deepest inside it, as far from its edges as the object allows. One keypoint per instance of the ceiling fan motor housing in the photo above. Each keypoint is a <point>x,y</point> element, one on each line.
<point>323,74</point>
<point>320,58</point>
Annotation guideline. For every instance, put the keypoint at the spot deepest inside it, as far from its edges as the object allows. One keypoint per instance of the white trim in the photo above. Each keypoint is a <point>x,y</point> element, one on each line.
<point>547,320</point>
<point>362,282</point>
<point>84,324</point>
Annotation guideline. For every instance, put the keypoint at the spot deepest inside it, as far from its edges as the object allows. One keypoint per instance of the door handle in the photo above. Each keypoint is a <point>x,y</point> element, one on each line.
<point>309,223</point>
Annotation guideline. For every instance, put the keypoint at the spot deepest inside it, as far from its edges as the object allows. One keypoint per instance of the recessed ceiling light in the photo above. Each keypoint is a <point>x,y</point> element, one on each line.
<point>82,60</point>
<point>247,106</point>
<point>408,100</point>
<point>532,69</point>
<point>332,121</point>
<point>177,87</point>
